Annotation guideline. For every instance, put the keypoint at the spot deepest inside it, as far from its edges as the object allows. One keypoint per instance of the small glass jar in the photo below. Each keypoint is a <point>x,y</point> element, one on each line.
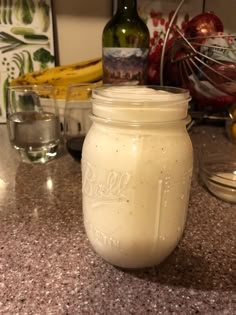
<point>137,162</point>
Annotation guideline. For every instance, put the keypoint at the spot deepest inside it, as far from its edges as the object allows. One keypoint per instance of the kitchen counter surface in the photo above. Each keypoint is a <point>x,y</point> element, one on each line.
<point>48,267</point>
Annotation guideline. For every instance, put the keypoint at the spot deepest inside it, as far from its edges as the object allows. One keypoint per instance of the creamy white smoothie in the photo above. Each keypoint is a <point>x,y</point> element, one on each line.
<point>136,171</point>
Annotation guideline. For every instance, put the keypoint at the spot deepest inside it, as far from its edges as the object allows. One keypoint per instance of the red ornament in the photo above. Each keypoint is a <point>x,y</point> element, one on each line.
<point>204,24</point>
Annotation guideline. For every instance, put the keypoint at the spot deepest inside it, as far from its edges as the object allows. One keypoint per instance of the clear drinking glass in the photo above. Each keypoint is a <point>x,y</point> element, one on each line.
<point>33,122</point>
<point>76,118</point>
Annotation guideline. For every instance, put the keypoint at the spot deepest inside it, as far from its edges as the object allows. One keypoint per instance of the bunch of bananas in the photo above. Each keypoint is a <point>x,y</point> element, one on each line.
<point>89,71</point>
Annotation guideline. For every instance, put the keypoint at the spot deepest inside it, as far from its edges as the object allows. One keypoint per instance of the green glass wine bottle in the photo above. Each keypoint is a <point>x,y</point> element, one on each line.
<point>125,43</point>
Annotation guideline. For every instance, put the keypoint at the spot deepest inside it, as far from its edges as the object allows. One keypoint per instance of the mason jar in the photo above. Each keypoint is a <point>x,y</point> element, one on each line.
<point>137,162</point>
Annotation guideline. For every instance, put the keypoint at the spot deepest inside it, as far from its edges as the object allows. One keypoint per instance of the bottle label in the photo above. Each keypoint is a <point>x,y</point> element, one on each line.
<point>125,65</point>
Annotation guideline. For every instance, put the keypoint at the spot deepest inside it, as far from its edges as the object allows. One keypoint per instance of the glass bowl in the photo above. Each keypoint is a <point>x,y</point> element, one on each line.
<point>219,176</point>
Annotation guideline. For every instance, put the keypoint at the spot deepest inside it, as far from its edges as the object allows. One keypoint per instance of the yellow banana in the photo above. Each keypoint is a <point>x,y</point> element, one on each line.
<point>79,94</point>
<point>82,72</point>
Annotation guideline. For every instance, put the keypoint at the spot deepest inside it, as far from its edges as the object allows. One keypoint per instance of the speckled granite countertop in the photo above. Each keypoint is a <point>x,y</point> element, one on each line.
<point>47,266</point>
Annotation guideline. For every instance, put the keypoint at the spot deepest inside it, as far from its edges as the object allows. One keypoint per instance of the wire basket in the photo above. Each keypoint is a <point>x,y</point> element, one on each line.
<point>201,58</point>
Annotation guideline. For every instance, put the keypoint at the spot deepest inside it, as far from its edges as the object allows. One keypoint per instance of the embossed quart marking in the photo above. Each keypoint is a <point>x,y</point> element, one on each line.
<point>112,185</point>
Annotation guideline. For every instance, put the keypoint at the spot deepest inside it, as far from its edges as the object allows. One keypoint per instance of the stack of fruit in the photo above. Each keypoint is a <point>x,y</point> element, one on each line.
<point>89,71</point>
<point>231,124</point>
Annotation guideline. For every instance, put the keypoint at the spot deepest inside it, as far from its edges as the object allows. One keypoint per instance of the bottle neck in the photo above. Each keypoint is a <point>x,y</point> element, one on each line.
<point>127,7</point>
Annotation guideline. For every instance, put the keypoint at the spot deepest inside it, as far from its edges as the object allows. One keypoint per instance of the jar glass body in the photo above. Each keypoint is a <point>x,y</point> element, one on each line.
<point>136,184</point>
